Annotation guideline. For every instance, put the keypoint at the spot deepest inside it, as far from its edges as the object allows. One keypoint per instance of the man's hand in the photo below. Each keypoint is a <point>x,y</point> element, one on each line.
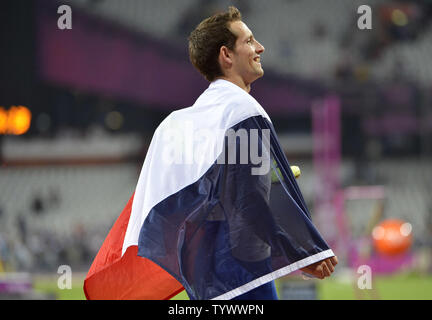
<point>321,269</point>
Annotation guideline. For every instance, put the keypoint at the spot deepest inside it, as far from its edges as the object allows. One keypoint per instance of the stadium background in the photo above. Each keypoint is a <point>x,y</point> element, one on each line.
<point>97,92</point>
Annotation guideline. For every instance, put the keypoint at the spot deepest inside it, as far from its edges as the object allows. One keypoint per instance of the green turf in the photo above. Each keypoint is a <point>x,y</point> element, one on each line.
<point>49,286</point>
<point>391,287</point>
<point>394,287</point>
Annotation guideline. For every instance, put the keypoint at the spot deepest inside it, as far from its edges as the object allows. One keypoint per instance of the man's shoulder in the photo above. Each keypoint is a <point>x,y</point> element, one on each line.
<point>244,106</point>
<point>215,107</point>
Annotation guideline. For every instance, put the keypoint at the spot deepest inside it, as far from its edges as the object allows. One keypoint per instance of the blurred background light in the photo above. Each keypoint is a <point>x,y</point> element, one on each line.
<point>43,122</point>
<point>114,120</point>
<point>399,18</point>
<point>3,121</point>
<point>19,120</point>
<point>392,237</point>
<point>15,120</point>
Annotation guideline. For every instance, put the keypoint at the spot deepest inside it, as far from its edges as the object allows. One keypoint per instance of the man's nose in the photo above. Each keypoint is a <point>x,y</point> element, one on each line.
<point>260,48</point>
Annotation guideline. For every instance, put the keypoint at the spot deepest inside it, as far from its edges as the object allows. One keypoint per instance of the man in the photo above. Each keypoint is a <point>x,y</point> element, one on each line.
<point>238,61</point>
<point>200,217</point>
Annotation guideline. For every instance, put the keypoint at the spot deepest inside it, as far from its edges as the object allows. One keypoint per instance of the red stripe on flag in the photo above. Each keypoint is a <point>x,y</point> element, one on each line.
<point>131,277</point>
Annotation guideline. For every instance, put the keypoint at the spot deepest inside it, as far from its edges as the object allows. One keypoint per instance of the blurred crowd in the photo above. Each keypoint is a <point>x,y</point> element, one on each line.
<point>28,248</point>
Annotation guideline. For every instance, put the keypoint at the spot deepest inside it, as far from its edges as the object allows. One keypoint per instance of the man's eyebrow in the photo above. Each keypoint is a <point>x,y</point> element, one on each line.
<point>250,36</point>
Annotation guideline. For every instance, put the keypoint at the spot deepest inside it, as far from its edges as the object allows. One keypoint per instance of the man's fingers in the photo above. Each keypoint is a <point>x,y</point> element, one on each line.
<point>323,268</point>
<point>329,265</point>
<point>319,272</point>
<point>334,260</point>
<point>326,271</point>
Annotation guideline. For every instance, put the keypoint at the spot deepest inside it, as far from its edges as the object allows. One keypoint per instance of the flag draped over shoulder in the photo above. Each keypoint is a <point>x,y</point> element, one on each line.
<point>216,210</point>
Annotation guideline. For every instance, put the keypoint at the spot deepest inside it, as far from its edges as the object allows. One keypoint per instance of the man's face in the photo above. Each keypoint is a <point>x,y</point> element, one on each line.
<point>247,50</point>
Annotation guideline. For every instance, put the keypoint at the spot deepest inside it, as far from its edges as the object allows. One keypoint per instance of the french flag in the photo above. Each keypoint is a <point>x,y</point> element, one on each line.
<point>216,210</point>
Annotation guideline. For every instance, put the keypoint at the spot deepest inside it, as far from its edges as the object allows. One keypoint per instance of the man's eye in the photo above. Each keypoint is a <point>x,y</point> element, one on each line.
<point>249,41</point>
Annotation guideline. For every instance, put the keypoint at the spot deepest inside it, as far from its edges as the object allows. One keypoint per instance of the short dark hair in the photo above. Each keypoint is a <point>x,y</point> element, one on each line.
<point>208,37</point>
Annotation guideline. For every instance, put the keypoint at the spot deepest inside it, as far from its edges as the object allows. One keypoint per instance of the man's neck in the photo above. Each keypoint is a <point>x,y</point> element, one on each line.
<point>238,82</point>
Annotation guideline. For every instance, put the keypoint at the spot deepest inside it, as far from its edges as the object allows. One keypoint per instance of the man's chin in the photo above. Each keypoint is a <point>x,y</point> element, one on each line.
<point>256,76</point>
<point>260,73</point>
<point>260,70</point>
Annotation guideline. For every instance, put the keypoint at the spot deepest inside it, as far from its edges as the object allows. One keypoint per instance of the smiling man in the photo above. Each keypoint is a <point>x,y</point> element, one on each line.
<point>222,47</point>
<point>207,226</point>
<point>242,66</point>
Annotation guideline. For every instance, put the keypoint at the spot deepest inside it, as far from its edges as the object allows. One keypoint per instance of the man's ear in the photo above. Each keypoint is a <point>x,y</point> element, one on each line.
<point>225,57</point>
